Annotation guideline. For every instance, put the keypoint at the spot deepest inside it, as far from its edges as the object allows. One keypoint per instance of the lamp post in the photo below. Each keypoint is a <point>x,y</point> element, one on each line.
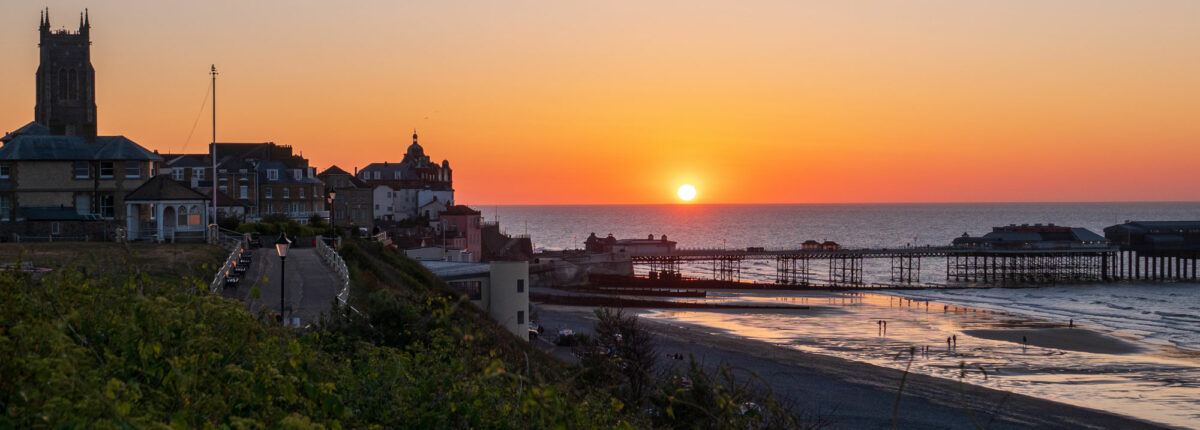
<point>281,248</point>
<point>332,208</point>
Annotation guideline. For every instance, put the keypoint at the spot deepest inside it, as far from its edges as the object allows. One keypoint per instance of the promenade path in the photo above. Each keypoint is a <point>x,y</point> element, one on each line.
<point>312,286</point>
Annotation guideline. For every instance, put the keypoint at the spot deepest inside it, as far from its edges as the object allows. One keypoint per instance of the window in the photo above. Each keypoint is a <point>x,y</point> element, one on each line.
<point>181,216</point>
<point>5,208</point>
<point>298,174</point>
<point>133,169</point>
<point>54,228</point>
<point>272,174</point>
<point>224,189</point>
<point>106,169</point>
<point>267,193</point>
<point>520,317</point>
<point>197,173</point>
<point>468,288</point>
<point>4,170</point>
<point>396,175</point>
<point>177,174</point>
<point>243,171</point>
<point>194,216</point>
<point>301,190</point>
<point>243,192</point>
<point>82,170</point>
<point>106,205</point>
<point>316,191</point>
<point>520,285</point>
<point>287,193</point>
<point>377,176</point>
<point>223,171</point>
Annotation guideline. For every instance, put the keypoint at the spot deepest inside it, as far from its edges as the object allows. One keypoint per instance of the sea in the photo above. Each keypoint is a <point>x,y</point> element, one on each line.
<point>1159,384</point>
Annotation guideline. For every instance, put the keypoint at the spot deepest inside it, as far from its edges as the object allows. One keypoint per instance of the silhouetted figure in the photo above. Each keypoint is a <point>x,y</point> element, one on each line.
<point>955,337</point>
<point>947,342</point>
<point>1071,323</point>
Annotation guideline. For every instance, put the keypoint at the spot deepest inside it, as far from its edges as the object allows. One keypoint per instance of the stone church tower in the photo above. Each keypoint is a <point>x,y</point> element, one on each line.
<point>66,81</point>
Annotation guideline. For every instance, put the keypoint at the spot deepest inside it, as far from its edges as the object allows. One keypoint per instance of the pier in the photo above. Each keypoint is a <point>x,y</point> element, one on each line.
<point>844,267</point>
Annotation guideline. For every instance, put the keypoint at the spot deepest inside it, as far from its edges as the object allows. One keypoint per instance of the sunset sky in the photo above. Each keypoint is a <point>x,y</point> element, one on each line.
<point>621,102</point>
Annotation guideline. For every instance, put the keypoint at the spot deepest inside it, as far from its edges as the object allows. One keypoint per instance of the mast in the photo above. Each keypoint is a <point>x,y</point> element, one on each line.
<point>213,151</point>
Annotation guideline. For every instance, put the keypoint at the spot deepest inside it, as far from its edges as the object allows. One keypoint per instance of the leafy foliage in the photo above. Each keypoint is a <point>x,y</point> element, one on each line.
<point>272,225</point>
<point>130,351</point>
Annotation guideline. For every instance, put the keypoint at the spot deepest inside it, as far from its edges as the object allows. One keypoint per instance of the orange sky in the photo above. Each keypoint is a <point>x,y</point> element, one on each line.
<point>620,102</point>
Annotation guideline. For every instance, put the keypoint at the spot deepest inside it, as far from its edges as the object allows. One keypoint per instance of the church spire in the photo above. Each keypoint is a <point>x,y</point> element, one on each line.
<point>87,23</point>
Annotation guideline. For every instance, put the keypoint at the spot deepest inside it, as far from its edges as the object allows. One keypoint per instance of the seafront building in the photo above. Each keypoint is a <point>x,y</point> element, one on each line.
<point>263,178</point>
<point>500,288</point>
<point>1036,236</point>
<point>57,176</point>
<point>414,187</point>
<point>351,201</point>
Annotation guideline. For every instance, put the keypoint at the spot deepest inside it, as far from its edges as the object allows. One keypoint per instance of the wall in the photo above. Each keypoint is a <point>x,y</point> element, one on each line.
<point>505,300</point>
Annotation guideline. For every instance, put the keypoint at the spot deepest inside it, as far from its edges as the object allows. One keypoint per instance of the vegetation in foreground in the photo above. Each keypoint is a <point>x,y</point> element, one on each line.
<point>119,349</point>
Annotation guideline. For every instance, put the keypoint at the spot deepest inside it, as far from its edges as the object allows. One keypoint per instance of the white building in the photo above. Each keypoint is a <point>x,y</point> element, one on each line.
<point>500,288</point>
<point>413,187</point>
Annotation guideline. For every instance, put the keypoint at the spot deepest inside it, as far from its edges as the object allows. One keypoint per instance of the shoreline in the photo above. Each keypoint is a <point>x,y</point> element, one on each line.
<point>861,394</point>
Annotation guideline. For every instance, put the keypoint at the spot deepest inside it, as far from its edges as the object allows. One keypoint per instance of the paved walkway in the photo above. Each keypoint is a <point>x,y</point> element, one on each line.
<point>311,285</point>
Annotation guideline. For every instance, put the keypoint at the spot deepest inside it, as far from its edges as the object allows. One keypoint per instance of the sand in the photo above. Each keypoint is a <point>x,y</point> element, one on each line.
<point>1071,339</point>
<point>852,394</point>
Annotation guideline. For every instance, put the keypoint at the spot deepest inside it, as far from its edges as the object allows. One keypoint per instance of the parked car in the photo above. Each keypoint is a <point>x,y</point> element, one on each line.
<point>566,337</point>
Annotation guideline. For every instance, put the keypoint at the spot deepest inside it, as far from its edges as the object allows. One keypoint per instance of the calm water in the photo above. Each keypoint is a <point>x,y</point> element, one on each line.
<point>1162,384</point>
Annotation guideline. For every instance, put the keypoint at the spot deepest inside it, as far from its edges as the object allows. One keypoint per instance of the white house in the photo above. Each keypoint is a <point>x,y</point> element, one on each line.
<point>500,288</point>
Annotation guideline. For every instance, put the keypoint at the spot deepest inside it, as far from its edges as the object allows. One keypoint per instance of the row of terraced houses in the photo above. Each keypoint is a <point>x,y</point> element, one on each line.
<point>60,180</point>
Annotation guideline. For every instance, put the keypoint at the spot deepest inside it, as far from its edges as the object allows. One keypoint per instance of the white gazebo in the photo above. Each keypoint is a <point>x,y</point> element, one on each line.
<point>164,210</point>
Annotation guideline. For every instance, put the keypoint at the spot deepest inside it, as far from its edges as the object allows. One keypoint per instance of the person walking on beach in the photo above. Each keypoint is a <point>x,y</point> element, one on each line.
<point>1071,323</point>
<point>955,337</point>
<point>947,342</point>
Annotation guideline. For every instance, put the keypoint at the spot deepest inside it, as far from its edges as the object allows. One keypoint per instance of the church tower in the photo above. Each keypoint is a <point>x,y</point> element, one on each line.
<point>66,81</point>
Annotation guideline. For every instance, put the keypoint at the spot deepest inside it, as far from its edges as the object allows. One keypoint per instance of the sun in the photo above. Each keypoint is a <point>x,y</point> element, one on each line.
<point>687,192</point>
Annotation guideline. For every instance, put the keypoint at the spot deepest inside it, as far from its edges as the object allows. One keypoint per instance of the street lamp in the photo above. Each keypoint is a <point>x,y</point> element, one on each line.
<point>332,207</point>
<point>281,248</point>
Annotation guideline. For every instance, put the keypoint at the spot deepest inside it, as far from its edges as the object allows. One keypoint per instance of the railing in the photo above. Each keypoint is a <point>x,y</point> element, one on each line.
<point>335,262</point>
<point>49,238</point>
<point>218,282</point>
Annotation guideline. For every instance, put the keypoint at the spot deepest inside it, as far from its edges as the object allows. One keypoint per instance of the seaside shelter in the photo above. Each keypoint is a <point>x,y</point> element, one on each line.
<point>164,210</point>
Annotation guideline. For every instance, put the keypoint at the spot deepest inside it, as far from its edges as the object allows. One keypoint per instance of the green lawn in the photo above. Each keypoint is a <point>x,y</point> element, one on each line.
<point>157,260</point>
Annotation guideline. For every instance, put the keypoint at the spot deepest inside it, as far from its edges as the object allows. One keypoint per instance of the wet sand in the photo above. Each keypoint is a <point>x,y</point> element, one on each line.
<point>1071,339</point>
<point>854,394</point>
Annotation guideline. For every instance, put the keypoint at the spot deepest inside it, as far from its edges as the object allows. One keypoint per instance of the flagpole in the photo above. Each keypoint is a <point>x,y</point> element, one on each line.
<point>213,150</point>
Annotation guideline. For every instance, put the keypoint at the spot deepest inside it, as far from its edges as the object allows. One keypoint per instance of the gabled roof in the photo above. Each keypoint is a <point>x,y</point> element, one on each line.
<point>334,170</point>
<point>460,210</point>
<point>33,128</point>
<point>223,200</point>
<point>162,187</point>
<point>46,147</point>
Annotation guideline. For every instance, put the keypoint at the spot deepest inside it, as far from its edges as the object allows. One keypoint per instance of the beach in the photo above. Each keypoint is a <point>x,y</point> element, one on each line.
<point>852,394</point>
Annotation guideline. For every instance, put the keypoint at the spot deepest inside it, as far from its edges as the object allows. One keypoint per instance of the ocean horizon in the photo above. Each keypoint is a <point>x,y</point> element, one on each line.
<point>1160,382</point>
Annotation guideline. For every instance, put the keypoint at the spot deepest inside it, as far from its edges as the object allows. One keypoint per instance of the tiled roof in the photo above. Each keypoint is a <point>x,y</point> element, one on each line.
<point>46,147</point>
<point>162,187</point>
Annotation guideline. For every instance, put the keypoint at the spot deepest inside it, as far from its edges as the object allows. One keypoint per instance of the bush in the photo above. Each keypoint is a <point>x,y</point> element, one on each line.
<point>128,351</point>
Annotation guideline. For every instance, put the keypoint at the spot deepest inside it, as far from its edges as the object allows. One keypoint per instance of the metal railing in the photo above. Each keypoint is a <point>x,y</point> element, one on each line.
<point>235,253</point>
<point>335,262</point>
<point>50,238</point>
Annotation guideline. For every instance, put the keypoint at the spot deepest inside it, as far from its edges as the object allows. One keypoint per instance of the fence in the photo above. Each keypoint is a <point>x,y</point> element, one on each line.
<point>335,262</point>
<point>235,253</point>
<point>49,238</point>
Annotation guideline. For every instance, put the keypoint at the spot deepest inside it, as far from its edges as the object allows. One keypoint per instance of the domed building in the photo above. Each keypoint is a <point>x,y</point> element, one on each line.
<point>416,186</point>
